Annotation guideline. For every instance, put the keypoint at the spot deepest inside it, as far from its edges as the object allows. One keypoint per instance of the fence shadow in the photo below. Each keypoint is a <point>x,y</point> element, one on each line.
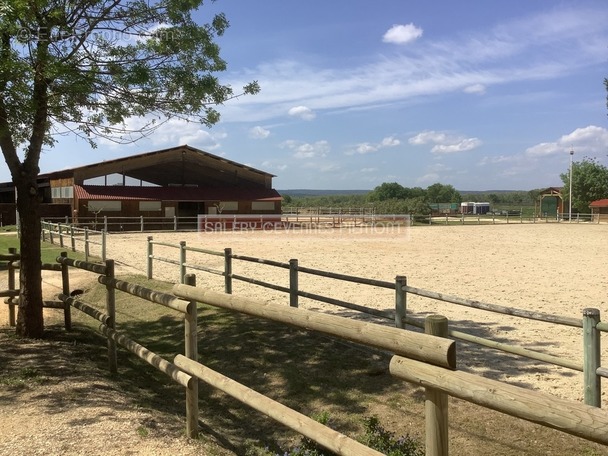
<point>306,371</point>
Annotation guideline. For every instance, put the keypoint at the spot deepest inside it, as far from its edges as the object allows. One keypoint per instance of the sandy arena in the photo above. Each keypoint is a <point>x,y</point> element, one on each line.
<point>554,268</point>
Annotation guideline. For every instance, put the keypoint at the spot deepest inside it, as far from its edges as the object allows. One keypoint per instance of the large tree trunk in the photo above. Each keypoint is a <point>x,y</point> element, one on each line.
<point>30,320</point>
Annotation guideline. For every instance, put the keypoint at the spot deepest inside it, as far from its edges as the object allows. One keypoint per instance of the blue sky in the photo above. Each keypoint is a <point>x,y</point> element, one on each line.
<point>481,95</point>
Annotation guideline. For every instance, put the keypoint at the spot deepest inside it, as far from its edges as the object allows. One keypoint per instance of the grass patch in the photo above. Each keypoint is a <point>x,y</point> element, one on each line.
<point>306,371</point>
<point>49,252</point>
<point>23,378</point>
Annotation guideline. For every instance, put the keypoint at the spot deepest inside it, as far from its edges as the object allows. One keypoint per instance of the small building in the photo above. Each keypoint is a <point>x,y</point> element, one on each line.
<point>551,202</point>
<point>474,208</point>
<point>599,210</point>
<point>443,208</point>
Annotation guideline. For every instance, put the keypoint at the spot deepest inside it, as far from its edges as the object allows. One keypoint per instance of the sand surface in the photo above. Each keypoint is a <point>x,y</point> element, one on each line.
<point>559,269</point>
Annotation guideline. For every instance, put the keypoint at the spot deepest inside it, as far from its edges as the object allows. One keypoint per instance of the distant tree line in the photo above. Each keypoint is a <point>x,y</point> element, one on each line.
<point>393,198</point>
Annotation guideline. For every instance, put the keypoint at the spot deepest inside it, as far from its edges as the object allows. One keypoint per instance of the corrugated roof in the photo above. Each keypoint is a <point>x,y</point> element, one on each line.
<point>117,161</point>
<point>119,192</point>
<point>600,203</point>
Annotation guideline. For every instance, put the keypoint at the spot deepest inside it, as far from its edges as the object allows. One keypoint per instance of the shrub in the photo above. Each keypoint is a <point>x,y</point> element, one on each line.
<point>375,437</point>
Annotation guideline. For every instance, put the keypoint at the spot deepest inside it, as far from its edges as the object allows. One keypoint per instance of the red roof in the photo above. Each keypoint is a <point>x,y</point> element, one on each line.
<point>600,203</point>
<point>120,192</point>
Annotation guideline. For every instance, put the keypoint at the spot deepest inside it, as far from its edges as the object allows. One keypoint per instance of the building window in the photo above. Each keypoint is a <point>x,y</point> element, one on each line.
<point>104,206</point>
<point>262,205</point>
<point>62,192</point>
<point>145,206</point>
<point>229,205</point>
<point>67,192</point>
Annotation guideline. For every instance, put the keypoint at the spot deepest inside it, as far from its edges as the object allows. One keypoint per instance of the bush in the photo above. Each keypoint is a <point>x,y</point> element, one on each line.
<point>375,437</point>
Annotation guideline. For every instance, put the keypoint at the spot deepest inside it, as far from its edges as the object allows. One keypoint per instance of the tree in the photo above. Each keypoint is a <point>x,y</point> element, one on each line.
<point>386,191</point>
<point>86,67</point>
<point>589,183</point>
<point>439,193</point>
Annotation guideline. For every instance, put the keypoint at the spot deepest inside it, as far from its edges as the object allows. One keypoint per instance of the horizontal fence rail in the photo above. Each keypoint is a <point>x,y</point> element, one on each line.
<point>577,419</point>
<point>324,436</point>
<point>80,239</point>
<point>435,350</point>
<point>293,218</point>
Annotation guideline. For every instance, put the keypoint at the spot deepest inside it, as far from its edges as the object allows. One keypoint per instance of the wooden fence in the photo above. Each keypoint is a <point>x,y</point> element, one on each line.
<point>79,239</point>
<point>589,323</point>
<point>426,359</point>
<point>430,365</point>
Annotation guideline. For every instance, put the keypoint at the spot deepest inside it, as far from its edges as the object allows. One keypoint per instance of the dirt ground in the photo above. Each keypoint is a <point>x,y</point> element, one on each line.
<point>555,268</point>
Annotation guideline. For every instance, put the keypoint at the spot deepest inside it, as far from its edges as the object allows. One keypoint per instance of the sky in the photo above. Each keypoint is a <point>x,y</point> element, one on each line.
<point>481,95</point>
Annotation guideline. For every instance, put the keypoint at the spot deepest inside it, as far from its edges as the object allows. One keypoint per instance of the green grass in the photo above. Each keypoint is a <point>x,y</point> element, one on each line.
<point>49,252</point>
<point>22,378</point>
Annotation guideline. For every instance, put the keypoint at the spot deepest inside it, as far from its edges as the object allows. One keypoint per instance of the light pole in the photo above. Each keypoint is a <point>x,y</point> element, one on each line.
<point>570,192</point>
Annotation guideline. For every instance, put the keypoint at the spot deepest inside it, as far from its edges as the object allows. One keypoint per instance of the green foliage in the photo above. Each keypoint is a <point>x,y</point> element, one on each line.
<point>439,193</point>
<point>589,183</point>
<point>393,190</point>
<point>96,64</point>
<point>24,378</point>
<point>375,436</point>
<point>380,439</point>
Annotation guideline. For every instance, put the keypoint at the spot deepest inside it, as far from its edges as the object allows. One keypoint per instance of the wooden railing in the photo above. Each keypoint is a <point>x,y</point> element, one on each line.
<point>590,322</point>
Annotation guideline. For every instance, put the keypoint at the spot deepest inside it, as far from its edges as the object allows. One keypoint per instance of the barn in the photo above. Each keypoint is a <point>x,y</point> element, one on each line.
<point>182,182</point>
<point>599,210</point>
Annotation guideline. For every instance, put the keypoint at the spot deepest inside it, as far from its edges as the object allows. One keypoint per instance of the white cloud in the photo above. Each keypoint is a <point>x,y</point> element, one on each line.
<point>478,89</point>
<point>259,133</point>
<point>366,147</point>
<point>402,34</point>
<point>390,142</point>
<point>270,165</point>
<point>590,140</point>
<point>302,112</point>
<point>178,131</point>
<point>303,150</point>
<point>445,143</point>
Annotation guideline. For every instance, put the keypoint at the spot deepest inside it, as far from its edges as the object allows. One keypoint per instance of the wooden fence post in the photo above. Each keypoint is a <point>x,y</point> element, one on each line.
<point>182,261</point>
<point>591,357</point>
<point>175,223</point>
<point>60,235</point>
<point>86,244</point>
<point>72,238</point>
<point>436,402</point>
<point>191,352</point>
<point>103,245</point>
<point>293,282</point>
<point>65,289</point>
<point>149,258</point>
<point>400,301</point>
<point>105,223</point>
<point>11,286</point>
<point>111,312</point>
<point>43,229</point>
<point>228,270</point>
<point>141,224</point>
